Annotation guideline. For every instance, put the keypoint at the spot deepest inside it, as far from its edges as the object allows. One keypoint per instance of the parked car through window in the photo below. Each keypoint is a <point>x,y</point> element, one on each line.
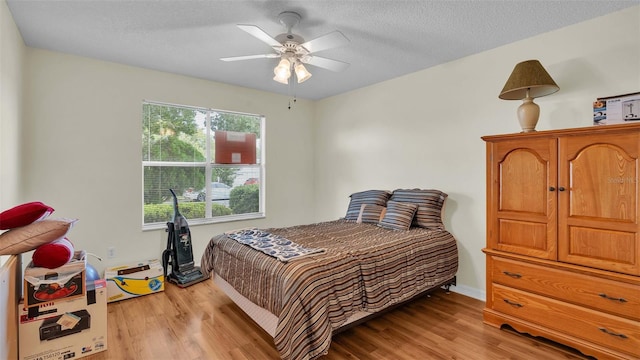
<point>219,191</point>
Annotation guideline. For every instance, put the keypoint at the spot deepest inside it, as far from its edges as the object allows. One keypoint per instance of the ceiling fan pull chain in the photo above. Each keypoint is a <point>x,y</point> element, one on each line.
<point>291,84</point>
<point>295,94</point>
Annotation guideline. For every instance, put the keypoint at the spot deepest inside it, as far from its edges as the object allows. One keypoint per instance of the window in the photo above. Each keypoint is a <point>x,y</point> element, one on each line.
<point>211,159</point>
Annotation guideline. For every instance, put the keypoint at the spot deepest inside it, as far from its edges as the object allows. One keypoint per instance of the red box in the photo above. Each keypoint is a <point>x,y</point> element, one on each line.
<point>235,147</point>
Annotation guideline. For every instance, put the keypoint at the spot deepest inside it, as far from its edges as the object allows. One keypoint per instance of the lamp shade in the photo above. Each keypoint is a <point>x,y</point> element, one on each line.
<point>302,73</point>
<point>528,75</point>
<point>282,71</point>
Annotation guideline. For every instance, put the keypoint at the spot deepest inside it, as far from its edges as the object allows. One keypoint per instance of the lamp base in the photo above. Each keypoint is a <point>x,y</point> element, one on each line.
<point>528,114</point>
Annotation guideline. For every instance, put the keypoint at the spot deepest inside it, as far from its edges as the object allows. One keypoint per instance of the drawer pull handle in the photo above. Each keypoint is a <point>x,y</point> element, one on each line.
<point>606,331</point>
<point>605,296</point>
<point>515,304</point>
<point>513,275</point>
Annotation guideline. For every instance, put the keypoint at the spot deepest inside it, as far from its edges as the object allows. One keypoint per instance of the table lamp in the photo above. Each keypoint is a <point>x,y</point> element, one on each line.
<point>528,80</point>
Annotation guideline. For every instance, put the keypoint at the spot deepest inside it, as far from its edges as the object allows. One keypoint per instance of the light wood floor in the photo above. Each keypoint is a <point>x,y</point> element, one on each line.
<point>200,322</point>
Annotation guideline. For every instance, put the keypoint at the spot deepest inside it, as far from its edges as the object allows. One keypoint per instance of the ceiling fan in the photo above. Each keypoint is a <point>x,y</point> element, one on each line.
<point>293,51</point>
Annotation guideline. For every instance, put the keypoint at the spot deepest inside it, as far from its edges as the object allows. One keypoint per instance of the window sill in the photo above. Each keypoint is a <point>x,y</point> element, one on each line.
<point>216,220</point>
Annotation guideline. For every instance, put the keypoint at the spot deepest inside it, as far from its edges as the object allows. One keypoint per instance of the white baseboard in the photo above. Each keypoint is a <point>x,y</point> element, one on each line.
<point>470,292</point>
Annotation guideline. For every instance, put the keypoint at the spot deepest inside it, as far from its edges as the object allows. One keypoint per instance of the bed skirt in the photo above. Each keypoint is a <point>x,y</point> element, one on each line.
<point>268,321</point>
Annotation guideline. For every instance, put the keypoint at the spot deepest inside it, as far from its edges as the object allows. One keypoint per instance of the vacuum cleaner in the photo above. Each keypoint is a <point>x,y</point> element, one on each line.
<point>177,259</point>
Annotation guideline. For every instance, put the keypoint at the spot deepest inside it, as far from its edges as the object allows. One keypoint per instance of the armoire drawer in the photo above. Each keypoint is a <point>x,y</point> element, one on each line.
<point>606,330</point>
<point>610,296</point>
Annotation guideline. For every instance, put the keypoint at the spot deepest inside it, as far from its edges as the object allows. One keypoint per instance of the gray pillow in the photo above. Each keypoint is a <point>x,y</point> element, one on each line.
<point>399,215</point>
<point>430,203</point>
<point>375,197</point>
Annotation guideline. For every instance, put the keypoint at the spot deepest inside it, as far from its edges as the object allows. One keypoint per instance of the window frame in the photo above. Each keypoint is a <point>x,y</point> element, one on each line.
<point>208,166</point>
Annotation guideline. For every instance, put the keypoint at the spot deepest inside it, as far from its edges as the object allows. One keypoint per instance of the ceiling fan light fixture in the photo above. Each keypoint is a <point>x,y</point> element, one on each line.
<point>281,80</point>
<point>302,73</point>
<point>282,71</point>
<point>293,50</point>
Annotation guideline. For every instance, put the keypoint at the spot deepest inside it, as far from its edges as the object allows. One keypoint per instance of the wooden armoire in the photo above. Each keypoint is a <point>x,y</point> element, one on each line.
<point>563,237</point>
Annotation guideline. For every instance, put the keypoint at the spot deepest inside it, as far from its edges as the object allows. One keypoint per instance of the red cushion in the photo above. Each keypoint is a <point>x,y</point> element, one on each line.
<point>53,254</point>
<point>24,214</point>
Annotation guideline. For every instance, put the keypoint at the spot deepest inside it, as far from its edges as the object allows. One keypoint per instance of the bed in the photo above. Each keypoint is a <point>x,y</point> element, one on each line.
<point>368,263</point>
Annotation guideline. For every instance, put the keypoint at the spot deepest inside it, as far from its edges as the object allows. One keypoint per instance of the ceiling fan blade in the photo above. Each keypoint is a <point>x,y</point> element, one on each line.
<point>249,57</point>
<point>331,40</point>
<point>329,64</point>
<point>261,35</point>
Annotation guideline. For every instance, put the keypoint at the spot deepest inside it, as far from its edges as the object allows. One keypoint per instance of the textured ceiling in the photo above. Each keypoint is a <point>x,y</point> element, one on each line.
<point>388,38</point>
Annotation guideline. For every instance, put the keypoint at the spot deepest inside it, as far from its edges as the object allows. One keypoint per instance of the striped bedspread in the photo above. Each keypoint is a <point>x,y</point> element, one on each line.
<point>364,268</point>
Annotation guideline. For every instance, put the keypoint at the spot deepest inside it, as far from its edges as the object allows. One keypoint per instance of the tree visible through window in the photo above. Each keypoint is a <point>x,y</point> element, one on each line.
<point>179,153</point>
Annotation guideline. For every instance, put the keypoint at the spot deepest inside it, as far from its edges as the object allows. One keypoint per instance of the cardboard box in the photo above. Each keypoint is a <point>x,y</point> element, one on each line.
<point>66,329</point>
<point>42,285</point>
<point>127,281</point>
<point>235,147</point>
<point>616,109</point>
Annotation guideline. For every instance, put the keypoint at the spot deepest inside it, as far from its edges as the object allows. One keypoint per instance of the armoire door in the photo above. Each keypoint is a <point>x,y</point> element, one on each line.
<point>598,202</point>
<point>522,196</point>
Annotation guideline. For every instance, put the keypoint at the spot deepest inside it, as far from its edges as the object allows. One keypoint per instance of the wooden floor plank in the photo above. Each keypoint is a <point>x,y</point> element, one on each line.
<point>202,323</point>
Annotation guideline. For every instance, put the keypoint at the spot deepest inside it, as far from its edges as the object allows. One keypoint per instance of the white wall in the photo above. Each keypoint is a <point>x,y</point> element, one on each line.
<point>82,141</point>
<point>423,130</point>
<point>12,52</point>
